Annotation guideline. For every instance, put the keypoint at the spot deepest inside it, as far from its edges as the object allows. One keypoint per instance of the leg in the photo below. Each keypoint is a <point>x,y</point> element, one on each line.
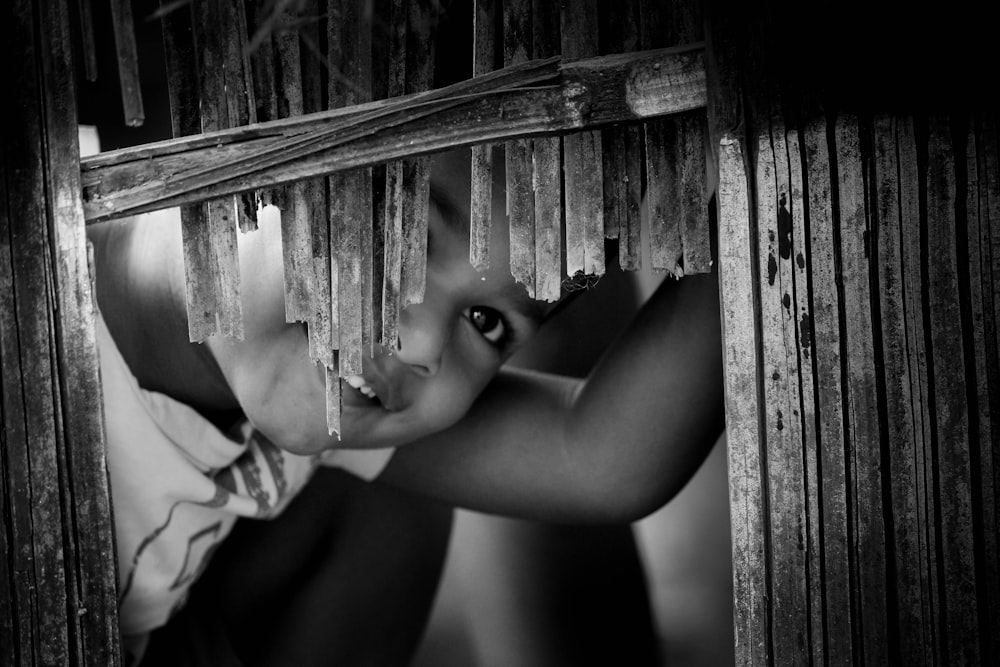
<point>345,567</point>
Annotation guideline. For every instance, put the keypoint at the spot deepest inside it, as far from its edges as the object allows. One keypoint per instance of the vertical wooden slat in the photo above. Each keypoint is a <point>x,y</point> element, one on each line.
<point>211,260</point>
<point>296,241</point>
<point>829,398</point>
<point>481,205</point>
<point>862,402</point>
<point>93,611</point>
<point>583,186</point>
<point>392,269</point>
<point>621,148</point>
<point>184,94</point>
<point>742,407</point>
<point>785,475</point>
<point>979,296</point>
<point>517,45</point>
<point>87,42</point>
<point>240,106</point>
<point>128,62</point>
<point>10,421</point>
<point>801,361</point>
<point>989,248</point>
<point>324,311</point>
<point>913,276</point>
<point>686,28</point>
<point>546,172</point>
<point>890,232</point>
<point>421,22</point>
<point>349,48</point>
<point>950,402</point>
<point>662,178</point>
<point>41,585</point>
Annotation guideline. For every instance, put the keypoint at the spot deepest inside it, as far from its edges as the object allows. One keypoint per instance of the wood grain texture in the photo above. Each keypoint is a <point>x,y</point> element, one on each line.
<point>508,103</point>
<point>832,460</point>
<point>517,49</point>
<point>743,416</point>
<point>128,62</point>
<point>583,187</point>
<point>785,477</point>
<point>952,434</point>
<point>918,362</point>
<point>864,434</point>
<point>481,204</point>
<point>912,602</point>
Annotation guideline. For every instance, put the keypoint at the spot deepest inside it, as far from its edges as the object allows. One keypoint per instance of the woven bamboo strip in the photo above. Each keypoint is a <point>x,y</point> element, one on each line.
<point>481,204</point>
<point>517,45</point>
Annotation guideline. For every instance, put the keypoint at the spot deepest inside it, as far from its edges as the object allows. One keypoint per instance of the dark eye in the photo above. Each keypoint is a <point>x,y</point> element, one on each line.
<point>489,323</point>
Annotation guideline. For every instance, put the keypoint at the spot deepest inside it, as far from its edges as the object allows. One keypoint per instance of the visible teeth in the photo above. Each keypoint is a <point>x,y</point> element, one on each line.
<point>359,383</point>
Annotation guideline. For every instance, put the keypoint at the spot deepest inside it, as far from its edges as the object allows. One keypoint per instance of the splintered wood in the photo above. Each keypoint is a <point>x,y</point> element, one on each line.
<point>481,167</point>
<point>582,156</point>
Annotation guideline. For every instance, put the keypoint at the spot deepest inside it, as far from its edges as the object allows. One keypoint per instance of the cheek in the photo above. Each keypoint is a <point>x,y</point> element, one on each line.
<point>449,395</point>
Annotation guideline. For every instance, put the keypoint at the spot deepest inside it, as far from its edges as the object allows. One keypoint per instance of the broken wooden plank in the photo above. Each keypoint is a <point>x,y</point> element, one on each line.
<point>128,62</point>
<point>622,146</point>
<point>583,187</point>
<point>546,172</point>
<point>616,88</point>
<point>239,102</point>
<point>744,438</point>
<point>393,230</point>
<point>184,94</point>
<point>296,238</point>
<point>481,203</point>
<point>517,44</point>
<point>349,82</point>
<point>421,24</point>
<point>221,231</point>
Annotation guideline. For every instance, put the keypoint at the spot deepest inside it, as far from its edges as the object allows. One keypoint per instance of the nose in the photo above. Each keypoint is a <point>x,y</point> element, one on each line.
<point>422,338</point>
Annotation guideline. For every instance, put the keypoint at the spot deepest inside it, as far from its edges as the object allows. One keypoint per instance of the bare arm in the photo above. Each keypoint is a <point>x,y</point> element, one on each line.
<point>613,447</point>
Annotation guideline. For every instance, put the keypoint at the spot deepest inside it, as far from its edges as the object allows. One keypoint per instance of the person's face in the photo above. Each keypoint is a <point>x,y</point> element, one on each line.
<point>450,346</point>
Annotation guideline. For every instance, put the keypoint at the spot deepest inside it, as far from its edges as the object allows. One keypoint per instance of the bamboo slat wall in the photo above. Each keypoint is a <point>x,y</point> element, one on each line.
<point>330,228</point>
<point>58,601</point>
<point>858,246</point>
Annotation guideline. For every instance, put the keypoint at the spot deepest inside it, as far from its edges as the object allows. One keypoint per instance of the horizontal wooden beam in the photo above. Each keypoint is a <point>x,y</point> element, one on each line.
<point>534,98</point>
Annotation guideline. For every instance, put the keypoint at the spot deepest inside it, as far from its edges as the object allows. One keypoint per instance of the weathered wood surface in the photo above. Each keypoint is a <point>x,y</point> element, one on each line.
<point>58,602</point>
<point>621,148</point>
<point>743,406</point>
<point>517,49</point>
<point>546,172</point>
<point>481,197</point>
<point>583,186</point>
<point>489,108</point>
<point>128,62</point>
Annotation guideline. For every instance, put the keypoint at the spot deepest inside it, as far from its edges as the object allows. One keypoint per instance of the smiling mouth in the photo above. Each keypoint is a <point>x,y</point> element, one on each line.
<point>363,388</point>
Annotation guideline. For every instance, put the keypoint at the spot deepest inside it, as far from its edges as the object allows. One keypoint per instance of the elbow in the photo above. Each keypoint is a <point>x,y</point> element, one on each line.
<point>626,498</point>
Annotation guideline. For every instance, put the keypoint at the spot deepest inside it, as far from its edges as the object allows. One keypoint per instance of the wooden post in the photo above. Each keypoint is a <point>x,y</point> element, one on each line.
<point>58,600</point>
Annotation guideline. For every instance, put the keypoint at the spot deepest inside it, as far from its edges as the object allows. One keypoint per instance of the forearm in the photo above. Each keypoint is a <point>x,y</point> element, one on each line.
<point>611,448</point>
